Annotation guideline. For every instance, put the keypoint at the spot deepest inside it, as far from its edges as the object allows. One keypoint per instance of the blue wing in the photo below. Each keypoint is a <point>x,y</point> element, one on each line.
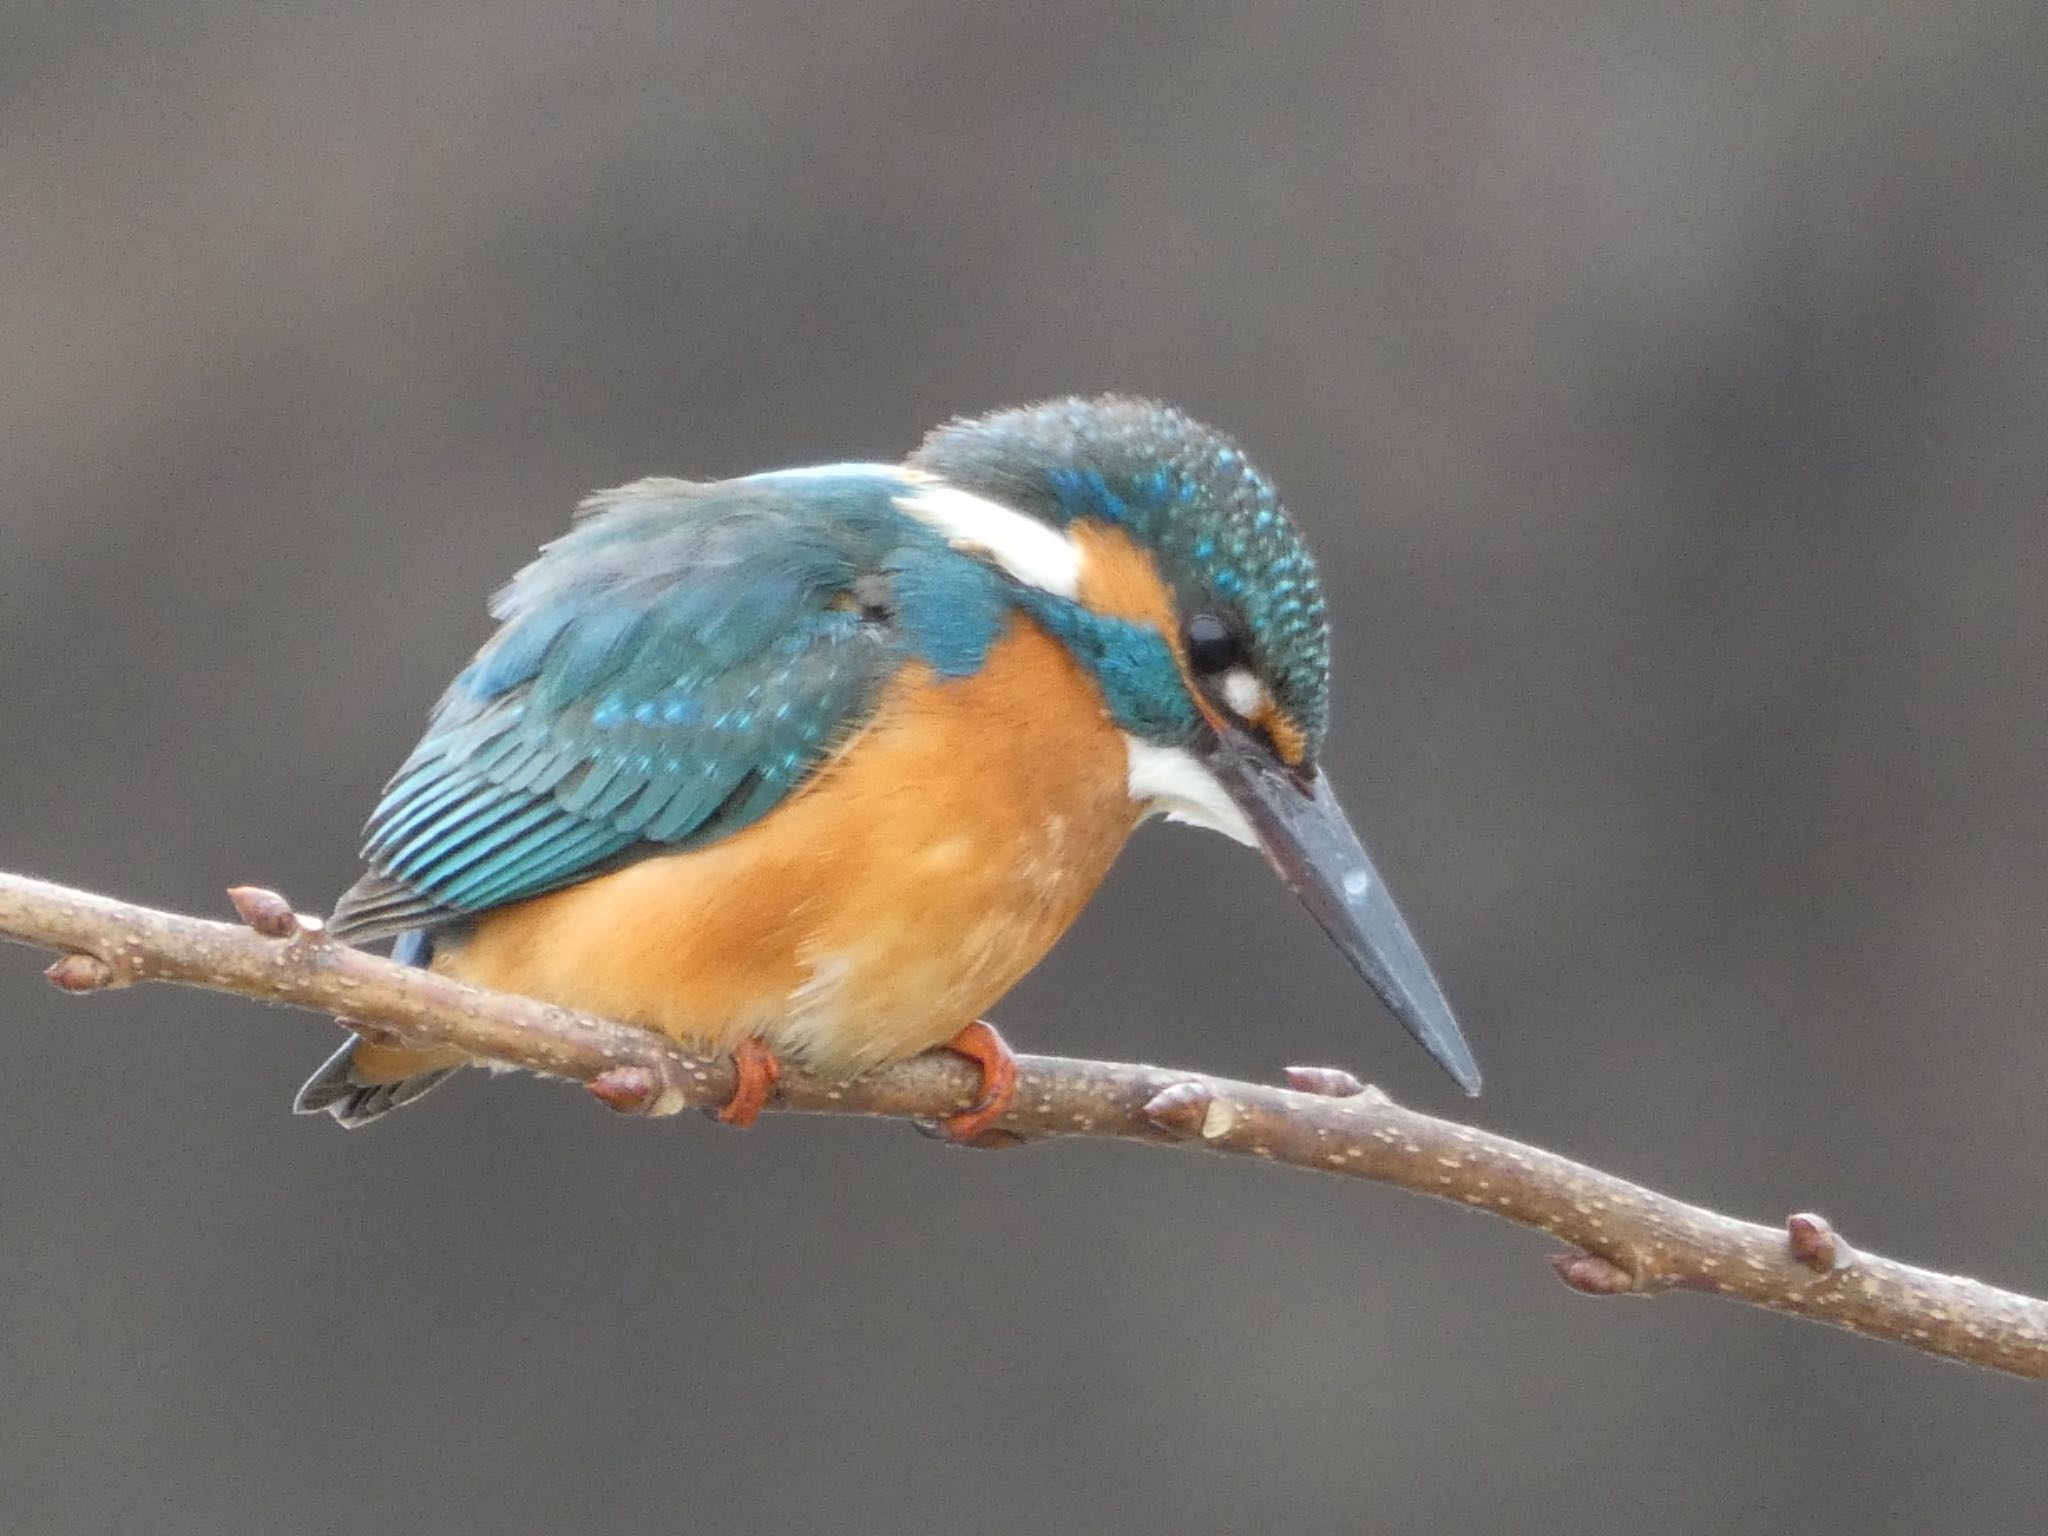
<point>664,674</point>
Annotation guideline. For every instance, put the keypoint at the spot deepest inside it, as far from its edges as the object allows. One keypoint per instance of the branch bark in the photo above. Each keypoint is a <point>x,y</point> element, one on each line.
<point>1625,1239</point>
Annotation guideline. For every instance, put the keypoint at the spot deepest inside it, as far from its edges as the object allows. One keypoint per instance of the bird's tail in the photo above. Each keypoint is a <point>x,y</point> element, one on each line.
<point>360,1082</point>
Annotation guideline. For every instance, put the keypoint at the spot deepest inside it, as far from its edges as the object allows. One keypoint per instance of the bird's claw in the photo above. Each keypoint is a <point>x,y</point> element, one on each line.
<point>755,1073</point>
<point>980,1044</point>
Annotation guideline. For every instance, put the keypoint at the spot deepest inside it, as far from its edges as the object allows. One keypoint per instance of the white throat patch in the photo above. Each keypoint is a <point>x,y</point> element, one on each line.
<point>1034,553</point>
<point>1170,782</point>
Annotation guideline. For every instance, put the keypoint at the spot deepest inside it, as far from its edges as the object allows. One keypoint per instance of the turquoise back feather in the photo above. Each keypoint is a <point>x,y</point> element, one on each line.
<point>663,676</point>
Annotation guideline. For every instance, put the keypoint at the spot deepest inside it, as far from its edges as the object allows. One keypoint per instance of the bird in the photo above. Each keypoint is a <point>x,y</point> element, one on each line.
<point>814,765</point>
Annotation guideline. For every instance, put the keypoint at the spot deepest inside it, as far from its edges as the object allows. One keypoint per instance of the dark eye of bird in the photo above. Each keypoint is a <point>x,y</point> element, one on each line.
<point>1212,645</point>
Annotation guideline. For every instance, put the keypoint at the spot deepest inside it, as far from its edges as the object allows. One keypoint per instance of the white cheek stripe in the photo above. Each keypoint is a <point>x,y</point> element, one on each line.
<point>1037,555</point>
<point>1169,781</point>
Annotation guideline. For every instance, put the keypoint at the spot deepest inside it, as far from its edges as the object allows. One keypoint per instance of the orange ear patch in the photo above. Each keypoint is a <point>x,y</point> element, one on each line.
<point>1122,581</point>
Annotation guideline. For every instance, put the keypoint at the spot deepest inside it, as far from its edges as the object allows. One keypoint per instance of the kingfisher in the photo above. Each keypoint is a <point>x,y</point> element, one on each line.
<point>814,765</point>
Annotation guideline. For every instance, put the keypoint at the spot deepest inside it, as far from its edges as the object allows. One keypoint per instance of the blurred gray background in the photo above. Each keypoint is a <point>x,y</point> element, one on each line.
<point>1663,387</point>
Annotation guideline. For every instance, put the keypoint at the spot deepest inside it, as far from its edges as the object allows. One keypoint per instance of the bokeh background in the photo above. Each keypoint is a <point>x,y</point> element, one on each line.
<point>1663,387</point>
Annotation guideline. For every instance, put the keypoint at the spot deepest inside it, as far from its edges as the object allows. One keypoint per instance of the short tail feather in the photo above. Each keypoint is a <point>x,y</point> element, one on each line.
<point>338,1089</point>
<point>377,907</point>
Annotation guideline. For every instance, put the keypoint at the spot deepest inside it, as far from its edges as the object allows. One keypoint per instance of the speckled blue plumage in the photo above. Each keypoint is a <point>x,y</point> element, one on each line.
<point>1183,491</point>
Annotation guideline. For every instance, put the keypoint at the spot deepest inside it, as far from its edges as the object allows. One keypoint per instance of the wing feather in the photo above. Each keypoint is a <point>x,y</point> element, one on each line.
<point>663,675</point>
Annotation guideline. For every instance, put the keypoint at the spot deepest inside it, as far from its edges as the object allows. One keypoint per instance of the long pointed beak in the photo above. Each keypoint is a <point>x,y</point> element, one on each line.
<point>1304,834</point>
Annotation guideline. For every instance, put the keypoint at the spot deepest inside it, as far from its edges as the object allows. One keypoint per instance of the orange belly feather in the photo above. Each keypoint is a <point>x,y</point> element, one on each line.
<point>887,903</point>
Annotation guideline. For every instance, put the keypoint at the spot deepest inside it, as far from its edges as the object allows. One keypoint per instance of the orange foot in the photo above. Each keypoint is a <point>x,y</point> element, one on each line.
<point>755,1072</point>
<point>980,1044</point>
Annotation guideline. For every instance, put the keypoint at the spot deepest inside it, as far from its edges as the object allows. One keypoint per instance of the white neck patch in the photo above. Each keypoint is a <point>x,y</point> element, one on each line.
<point>1034,553</point>
<point>1171,782</point>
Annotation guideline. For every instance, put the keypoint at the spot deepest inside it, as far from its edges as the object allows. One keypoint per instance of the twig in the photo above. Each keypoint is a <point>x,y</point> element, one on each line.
<point>1625,1239</point>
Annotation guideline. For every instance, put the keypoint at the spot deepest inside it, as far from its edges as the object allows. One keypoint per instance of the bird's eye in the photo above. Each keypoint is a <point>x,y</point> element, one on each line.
<point>1212,645</point>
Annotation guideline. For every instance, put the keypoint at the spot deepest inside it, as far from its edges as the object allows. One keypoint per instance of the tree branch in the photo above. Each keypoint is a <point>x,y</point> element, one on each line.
<point>1626,1239</point>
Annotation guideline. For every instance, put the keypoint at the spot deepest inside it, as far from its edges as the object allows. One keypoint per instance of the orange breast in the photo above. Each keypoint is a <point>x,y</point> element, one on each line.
<point>895,897</point>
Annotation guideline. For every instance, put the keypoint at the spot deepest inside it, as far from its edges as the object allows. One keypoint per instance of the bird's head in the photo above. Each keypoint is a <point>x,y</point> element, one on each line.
<point>1161,556</point>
